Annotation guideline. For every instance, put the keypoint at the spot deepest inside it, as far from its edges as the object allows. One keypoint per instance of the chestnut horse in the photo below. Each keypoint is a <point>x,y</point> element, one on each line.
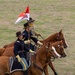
<point>53,38</point>
<point>57,45</point>
<point>43,56</point>
<point>59,48</point>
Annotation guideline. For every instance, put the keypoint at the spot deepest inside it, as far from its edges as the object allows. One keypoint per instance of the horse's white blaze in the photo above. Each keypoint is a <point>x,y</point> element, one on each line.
<point>55,51</point>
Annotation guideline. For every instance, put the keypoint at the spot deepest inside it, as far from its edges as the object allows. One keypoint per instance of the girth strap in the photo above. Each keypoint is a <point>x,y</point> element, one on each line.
<point>38,67</point>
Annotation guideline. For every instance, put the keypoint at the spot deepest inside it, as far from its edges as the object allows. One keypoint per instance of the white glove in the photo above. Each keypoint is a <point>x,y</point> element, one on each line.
<point>27,41</point>
<point>31,51</point>
<point>18,58</point>
<point>38,42</point>
<point>21,61</point>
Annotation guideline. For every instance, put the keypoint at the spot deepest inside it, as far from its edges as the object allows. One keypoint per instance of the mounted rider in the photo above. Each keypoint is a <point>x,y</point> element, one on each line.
<point>31,24</point>
<point>20,50</point>
<point>28,36</point>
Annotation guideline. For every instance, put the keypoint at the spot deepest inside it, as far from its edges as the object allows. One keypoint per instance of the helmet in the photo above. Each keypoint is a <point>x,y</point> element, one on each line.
<point>30,20</point>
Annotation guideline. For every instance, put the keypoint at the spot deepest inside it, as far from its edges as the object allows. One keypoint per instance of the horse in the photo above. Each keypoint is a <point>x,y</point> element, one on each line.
<point>43,55</point>
<point>57,45</point>
<point>60,50</point>
<point>55,37</point>
<point>52,38</point>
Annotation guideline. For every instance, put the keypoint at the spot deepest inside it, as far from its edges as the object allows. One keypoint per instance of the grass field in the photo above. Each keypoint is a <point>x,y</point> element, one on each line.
<point>50,16</point>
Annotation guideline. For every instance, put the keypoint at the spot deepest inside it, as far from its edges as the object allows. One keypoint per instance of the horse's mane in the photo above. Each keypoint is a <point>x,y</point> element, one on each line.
<point>41,49</point>
<point>51,37</point>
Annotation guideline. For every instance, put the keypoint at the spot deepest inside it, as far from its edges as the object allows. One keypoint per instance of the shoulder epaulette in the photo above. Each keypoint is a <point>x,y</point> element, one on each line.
<point>18,41</point>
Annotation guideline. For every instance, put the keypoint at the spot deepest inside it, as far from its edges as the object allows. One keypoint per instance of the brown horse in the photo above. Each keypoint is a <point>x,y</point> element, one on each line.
<point>53,38</point>
<point>43,56</point>
<point>56,37</point>
<point>59,48</point>
<point>57,45</point>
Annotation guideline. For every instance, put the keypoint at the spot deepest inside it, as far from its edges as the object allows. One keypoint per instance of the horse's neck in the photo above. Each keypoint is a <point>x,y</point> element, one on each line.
<point>41,55</point>
<point>41,50</point>
<point>51,38</point>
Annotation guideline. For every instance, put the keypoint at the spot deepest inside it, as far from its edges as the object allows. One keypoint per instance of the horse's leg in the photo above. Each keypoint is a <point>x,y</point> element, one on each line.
<point>46,71</point>
<point>52,67</point>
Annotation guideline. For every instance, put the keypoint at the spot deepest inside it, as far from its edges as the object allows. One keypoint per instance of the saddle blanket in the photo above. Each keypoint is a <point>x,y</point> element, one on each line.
<point>16,66</point>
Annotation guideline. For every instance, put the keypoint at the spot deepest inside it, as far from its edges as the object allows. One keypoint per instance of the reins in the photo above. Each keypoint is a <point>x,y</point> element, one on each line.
<point>41,69</point>
<point>42,37</point>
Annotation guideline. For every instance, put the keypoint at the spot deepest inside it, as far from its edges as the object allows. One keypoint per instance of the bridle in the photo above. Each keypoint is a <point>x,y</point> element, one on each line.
<point>48,58</point>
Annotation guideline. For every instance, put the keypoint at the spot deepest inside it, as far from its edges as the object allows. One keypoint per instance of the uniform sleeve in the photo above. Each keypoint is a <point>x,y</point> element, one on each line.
<point>26,48</point>
<point>23,35</point>
<point>33,38</point>
<point>16,48</point>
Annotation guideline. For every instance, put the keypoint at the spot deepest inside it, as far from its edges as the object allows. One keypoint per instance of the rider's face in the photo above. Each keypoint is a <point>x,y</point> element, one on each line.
<point>20,37</point>
<point>28,28</point>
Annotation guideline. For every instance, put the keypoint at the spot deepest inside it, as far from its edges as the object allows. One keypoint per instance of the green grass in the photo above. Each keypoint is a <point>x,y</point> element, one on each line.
<point>50,16</point>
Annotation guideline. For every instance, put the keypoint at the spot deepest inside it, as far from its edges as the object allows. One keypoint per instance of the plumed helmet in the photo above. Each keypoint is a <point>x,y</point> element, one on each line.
<point>30,20</point>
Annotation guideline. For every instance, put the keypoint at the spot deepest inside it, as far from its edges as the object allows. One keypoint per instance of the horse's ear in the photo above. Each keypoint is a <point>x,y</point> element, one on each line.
<point>60,32</point>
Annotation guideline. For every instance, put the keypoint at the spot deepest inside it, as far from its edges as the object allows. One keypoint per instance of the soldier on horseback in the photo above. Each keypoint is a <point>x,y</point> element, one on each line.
<point>20,50</point>
<point>27,35</point>
<point>31,24</point>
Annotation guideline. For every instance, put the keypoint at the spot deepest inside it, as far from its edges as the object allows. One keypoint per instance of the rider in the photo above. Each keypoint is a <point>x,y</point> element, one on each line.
<point>27,35</point>
<point>20,50</point>
<point>31,24</point>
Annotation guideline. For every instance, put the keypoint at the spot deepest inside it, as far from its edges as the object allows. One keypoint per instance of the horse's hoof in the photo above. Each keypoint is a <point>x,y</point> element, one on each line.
<point>55,73</point>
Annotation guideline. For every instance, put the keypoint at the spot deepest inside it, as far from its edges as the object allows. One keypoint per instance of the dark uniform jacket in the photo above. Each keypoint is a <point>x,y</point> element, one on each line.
<point>29,35</point>
<point>20,48</point>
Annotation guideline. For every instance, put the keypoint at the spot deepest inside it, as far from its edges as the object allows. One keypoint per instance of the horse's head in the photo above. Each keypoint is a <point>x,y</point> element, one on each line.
<point>59,48</point>
<point>52,51</point>
<point>59,37</point>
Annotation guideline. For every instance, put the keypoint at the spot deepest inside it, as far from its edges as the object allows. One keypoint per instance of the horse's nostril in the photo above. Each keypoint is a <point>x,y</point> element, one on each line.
<point>64,55</point>
<point>56,57</point>
<point>65,46</point>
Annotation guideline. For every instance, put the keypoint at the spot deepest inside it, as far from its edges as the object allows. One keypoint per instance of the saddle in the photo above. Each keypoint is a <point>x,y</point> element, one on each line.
<point>16,66</point>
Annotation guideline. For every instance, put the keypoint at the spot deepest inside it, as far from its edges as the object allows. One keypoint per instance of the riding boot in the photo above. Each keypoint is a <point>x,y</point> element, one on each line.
<point>25,72</point>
